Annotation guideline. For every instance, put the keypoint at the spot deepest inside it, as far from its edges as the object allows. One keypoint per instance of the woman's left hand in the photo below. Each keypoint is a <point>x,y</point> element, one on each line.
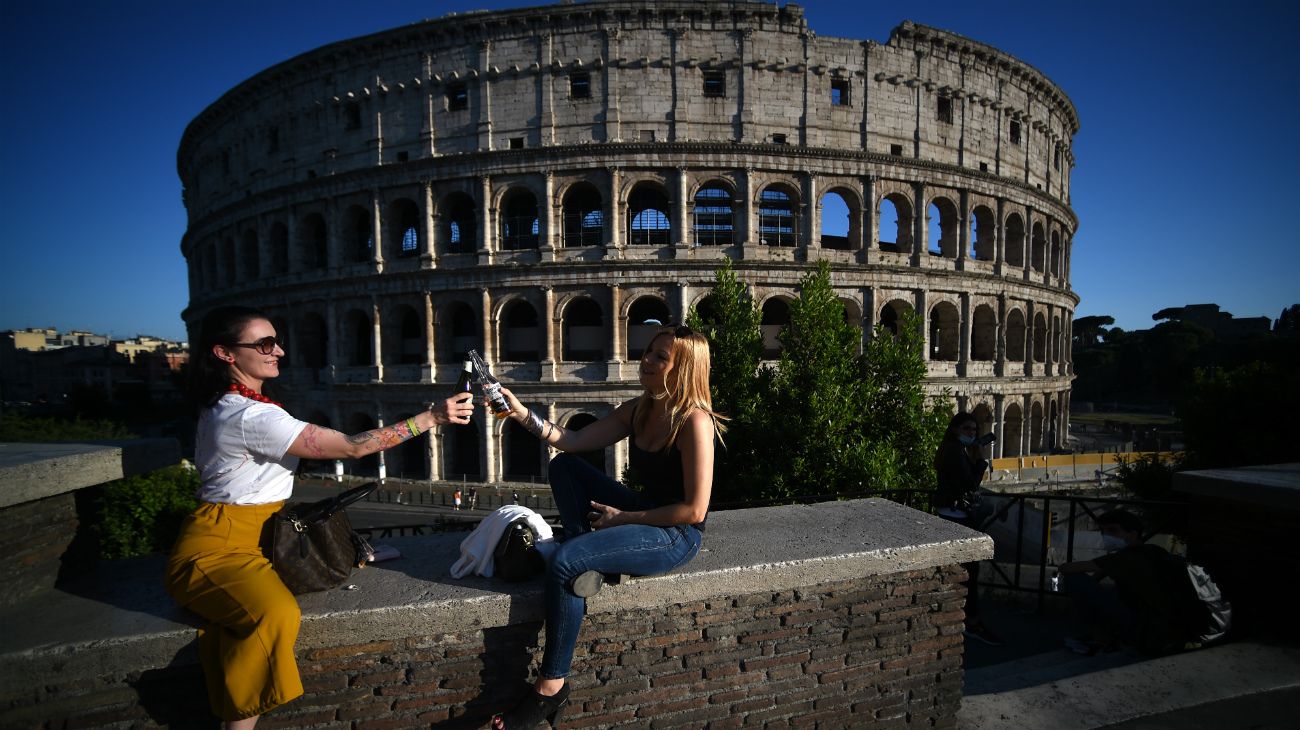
<point>602,516</point>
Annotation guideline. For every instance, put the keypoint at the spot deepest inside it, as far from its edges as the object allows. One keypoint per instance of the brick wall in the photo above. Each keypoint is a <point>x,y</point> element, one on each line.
<point>34,539</point>
<point>881,651</point>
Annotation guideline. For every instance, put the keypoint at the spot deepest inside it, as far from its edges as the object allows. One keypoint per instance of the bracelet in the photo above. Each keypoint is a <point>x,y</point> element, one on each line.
<point>410,423</point>
<point>533,424</point>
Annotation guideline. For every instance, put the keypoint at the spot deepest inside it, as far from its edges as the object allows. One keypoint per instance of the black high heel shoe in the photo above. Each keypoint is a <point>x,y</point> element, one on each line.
<point>535,711</point>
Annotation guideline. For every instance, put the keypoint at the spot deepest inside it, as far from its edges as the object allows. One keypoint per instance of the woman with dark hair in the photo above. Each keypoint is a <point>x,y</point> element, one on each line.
<point>608,528</point>
<point>246,450</point>
<point>960,467</point>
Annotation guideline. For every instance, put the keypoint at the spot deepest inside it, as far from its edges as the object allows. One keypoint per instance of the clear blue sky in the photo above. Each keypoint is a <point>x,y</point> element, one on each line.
<point>1188,152</point>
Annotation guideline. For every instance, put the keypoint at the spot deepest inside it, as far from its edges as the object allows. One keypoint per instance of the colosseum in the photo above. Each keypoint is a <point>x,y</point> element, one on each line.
<point>539,183</point>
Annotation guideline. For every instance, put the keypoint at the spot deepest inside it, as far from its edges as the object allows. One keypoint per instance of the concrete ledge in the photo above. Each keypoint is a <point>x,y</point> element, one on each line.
<point>1273,486</point>
<point>120,619</point>
<point>29,472</point>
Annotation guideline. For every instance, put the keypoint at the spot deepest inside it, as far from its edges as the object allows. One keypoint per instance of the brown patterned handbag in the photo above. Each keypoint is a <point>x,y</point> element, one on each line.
<point>313,545</point>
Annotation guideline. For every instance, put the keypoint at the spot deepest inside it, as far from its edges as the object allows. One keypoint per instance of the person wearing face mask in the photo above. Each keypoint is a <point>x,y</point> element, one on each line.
<point>1140,605</point>
<point>960,468</point>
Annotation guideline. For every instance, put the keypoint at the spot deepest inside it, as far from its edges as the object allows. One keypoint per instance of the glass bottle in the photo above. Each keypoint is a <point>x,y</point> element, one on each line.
<point>490,386</point>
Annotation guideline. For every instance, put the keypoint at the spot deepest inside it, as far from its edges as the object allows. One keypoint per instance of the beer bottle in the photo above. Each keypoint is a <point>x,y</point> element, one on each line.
<point>490,385</point>
<point>465,382</point>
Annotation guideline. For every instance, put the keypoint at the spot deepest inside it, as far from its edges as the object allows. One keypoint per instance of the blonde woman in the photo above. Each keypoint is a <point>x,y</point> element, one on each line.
<point>610,529</point>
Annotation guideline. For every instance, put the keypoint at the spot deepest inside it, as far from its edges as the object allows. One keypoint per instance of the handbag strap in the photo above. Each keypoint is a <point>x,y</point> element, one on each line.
<point>325,508</point>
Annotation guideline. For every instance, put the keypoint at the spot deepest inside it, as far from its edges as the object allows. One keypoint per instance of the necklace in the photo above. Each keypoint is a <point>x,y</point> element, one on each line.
<point>250,394</point>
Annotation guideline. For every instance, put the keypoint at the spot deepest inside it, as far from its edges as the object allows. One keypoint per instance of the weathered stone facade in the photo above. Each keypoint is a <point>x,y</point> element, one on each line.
<point>553,177</point>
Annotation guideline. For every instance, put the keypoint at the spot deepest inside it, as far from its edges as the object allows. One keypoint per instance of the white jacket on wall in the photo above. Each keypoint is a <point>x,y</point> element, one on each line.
<point>477,548</point>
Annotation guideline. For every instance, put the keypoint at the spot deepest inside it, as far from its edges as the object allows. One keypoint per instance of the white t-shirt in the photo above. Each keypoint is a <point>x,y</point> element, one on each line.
<point>240,452</point>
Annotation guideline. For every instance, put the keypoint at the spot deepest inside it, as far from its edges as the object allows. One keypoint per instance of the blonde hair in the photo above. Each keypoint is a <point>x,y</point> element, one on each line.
<point>687,383</point>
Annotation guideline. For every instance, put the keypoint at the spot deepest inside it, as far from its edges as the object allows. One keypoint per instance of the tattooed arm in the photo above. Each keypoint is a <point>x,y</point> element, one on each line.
<point>316,442</point>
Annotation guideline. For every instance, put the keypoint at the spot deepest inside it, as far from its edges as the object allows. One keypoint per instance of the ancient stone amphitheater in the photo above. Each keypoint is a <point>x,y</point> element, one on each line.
<point>538,183</point>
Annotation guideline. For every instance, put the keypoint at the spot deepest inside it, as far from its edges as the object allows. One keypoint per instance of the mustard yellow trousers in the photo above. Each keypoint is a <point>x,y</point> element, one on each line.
<point>219,570</point>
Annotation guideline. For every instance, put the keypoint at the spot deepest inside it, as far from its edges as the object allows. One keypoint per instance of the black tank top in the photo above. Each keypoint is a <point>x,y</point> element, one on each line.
<point>658,472</point>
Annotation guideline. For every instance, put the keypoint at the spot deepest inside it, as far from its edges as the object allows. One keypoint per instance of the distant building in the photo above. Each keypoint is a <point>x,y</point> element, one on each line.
<point>1223,324</point>
<point>44,366</point>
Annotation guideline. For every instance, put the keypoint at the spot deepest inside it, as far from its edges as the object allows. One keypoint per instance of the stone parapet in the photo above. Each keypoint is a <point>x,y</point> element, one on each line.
<point>837,610</point>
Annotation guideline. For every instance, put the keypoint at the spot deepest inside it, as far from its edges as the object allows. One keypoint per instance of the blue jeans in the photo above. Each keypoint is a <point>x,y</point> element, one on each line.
<point>1098,607</point>
<point>630,549</point>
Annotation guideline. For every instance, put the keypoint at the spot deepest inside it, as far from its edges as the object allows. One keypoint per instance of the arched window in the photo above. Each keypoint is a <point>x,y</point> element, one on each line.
<point>983,234</point>
<point>945,332</point>
<point>984,334</point>
<point>313,342</point>
<point>523,455</point>
<point>1056,253</point>
<point>942,226</point>
<point>279,248</point>
<point>520,340</point>
<point>1039,247</point>
<point>358,236</point>
<point>1015,336</point>
<point>895,218</point>
<point>714,216</point>
<point>778,220</point>
<point>458,224</point>
<point>647,223</point>
<point>228,260</point>
<point>519,222</point>
<point>891,315</point>
<point>776,314</point>
<point>460,454</point>
<point>584,217</point>
<point>403,228</point>
<point>463,331</point>
<point>409,336</point>
<point>1012,425</point>
<point>360,338</point>
<point>249,256</point>
<point>1015,252</point>
<point>1040,337</point>
<point>1036,427</point>
<point>836,223</point>
<point>639,332</point>
<point>314,242</point>
<point>584,332</point>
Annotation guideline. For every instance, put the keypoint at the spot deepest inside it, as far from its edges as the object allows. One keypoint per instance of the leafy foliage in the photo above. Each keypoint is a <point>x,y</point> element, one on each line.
<point>1244,415</point>
<point>825,421</point>
<point>142,514</point>
<point>16,428</point>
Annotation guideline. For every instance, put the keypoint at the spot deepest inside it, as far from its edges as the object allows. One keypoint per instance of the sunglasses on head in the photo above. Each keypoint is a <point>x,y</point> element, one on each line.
<point>265,346</point>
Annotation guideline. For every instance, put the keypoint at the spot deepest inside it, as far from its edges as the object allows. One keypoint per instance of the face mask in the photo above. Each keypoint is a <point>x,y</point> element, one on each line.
<point>966,440</point>
<point>1112,543</point>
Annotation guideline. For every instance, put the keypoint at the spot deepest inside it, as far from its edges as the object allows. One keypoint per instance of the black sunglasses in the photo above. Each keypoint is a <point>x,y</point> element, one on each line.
<point>265,346</point>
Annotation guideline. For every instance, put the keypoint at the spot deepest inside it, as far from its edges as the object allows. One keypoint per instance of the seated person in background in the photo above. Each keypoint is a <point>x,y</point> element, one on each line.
<point>1145,605</point>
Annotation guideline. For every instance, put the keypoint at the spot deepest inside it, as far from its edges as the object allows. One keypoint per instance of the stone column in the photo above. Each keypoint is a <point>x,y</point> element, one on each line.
<point>333,351</point>
<point>548,334</point>
<point>430,351</point>
<point>488,323</point>
<point>613,127</point>
<point>1029,338</point>
<point>546,90</point>
<point>812,209</point>
<point>924,315</point>
<point>333,241</point>
<point>614,222</point>
<point>427,256</point>
<point>870,314</point>
<point>869,231</point>
<point>963,355</point>
<point>487,208</point>
<point>376,234</point>
<point>748,229</point>
<point>920,233</point>
<point>963,226</point>
<point>294,258</point>
<point>1000,239</point>
<point>1027,243</point>
<point>619,455</point>
<point>1000,345</point>
<point>377,344</point>
<point>683,301</point>
<point>546,210</point>
<point>618,332</point>
<point>484,87</point>
<point>1026,424</point>
<point>681,237</point>
<point>999,413</point>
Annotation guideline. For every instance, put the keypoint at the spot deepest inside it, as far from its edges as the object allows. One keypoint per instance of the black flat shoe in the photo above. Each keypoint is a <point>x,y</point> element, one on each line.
<point>587,584</point>
<point>535,711</point>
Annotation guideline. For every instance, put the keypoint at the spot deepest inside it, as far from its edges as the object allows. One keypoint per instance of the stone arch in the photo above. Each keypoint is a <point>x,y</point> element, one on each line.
<point>778,216</point>
<point>1054,352</point>
<point>1015,240</point>
<point>583,331</point>
<point>839,219</point>
<point>577,422</point>
<point>458,224</point>
<point>358,235</point>
<point>983,234</point>
<point>945,332</point>
<point>457,332</point>
<point>403,228</point>
<point>520,452</point>
<point>250,256</point>
<point>707,308</point>
<point>460,453</point>
<point>584,216</point>
<point>648,215</point>
<point>891,315</point>
<point>639,334</point>
<point>1040,337</point>
<point>1053,418</point>
<point>1015,336</point>
<point>403,336</point>
<point>1056,253</point>
<point>984,333</point>
<point>279,248</point>
<point>714,212</point>
<point>313,242</point>
<point>775,316</point>
<point>520,224</point>
<point>983,417</point>
<point>944,224</point>
<point>520,334</point>
<point>313,342</point>
<point>900,207</point>
<point>358,338</point>
<point>1038,247</point>
<point>1012,426</point>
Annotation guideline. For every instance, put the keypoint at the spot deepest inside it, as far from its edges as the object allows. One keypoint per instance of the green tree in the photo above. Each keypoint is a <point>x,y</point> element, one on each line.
<point>16,428</point>
<point>1242,416</point>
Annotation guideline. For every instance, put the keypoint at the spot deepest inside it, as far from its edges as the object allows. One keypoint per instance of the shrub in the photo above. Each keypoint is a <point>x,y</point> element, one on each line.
<point>142,514</point>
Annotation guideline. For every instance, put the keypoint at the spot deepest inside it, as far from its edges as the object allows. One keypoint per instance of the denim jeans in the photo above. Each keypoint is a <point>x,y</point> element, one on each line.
<point>1097,607</point>
<point>630,549</point>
